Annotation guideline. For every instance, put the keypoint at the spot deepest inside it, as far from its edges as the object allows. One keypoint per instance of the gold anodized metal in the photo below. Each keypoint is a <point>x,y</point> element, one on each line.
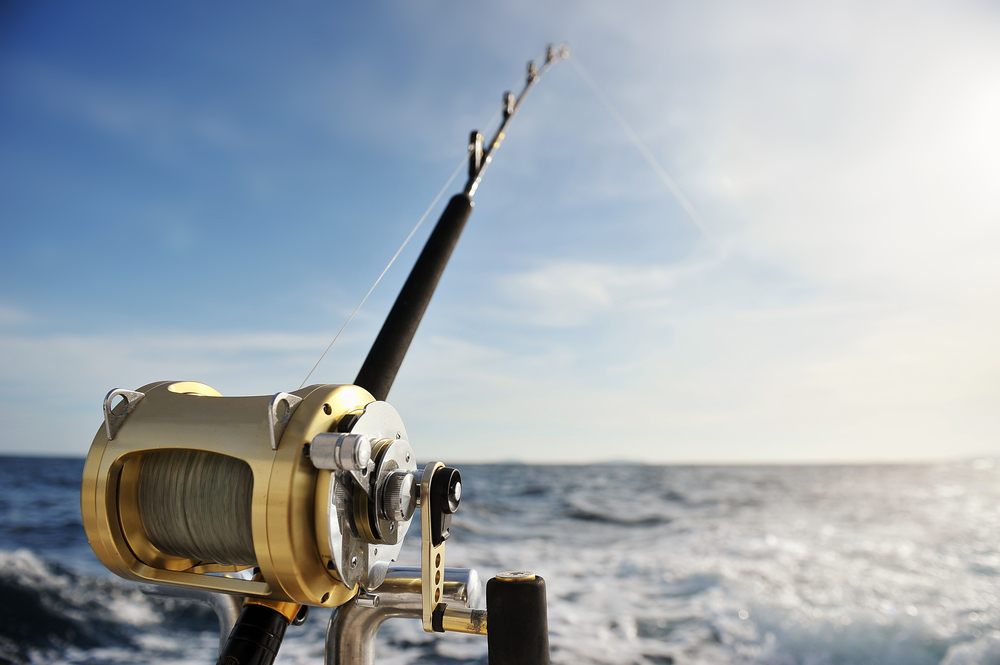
<point>431,556</point>
<point>292,541</point>
<point>516,576</point>
<point>189,415</point>
<point>464,620</point>
<point>284,608</point>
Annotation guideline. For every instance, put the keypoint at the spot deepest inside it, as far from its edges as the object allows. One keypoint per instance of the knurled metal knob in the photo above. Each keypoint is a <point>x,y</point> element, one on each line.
<point>400,496</point>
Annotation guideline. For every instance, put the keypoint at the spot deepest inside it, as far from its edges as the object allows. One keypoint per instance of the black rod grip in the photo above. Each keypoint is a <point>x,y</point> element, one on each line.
<point>387,353</point>
<point>518,621</point>
<point>255,637</point>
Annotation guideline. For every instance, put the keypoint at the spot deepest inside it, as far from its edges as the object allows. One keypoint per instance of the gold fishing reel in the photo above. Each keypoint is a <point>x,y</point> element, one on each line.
<point>314,490</point>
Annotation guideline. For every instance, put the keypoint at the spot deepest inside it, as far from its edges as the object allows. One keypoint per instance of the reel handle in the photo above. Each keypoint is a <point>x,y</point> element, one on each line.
<point>518,620</point>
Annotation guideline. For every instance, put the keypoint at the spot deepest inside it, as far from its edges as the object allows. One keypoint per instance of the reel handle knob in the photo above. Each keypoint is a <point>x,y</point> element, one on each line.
<point>518,619</point>
<point>339,451</point>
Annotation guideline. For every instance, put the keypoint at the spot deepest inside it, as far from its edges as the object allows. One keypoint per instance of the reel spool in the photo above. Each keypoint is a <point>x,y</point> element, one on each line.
<point>314,488</point>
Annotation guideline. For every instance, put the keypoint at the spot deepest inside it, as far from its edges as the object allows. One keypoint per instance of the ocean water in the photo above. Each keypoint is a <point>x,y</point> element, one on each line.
<point>644,565</point>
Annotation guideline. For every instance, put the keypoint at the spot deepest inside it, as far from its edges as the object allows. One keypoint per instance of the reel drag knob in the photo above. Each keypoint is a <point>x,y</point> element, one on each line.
<point>400,497</point>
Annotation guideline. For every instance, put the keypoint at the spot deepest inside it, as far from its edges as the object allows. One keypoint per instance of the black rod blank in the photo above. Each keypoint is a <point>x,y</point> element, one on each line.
<point>386,355</point>
<point>255,638</point>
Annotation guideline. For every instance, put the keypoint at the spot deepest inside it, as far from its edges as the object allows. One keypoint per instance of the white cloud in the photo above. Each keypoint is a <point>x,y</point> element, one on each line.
<point>567,293</point>
<point>821,382</point>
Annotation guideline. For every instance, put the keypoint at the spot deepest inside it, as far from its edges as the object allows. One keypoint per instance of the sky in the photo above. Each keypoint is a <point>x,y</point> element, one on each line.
<point>205,191</point>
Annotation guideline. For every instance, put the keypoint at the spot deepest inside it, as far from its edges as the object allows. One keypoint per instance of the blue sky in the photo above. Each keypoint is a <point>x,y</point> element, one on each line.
<point>206,191</point>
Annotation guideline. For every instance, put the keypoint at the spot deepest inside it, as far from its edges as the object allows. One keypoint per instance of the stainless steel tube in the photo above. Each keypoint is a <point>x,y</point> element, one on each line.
<point>226,607</point>
<point>350,637</point>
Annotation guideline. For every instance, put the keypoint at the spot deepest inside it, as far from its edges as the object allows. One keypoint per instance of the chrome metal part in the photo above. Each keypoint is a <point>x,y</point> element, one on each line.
<point>113,421</point>
<point>227,608</point>
<point>340,452</point>
<point>357,560</point>
<point>399,499</point>
<point>395,457</point>
<point>279,412</point>
<point>475,153</point>
<point>367,600</point>
<point>350,636</point>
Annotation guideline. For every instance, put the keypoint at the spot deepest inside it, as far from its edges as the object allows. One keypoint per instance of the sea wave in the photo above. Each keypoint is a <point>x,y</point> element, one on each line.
<point>644,566</point>
<point>49,613</point>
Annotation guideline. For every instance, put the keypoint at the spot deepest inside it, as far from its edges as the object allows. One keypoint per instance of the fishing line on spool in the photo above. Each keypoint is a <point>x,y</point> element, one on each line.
<point>420,221</point>
<point>198,505</point>
<point>654,163</point>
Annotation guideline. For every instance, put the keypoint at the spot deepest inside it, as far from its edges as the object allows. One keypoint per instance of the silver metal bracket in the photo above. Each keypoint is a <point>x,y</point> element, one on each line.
<point>356,560</point>
<point>475,153</point>
<point>279,412</point>
<point>365,599</point>
<point>113,421</point>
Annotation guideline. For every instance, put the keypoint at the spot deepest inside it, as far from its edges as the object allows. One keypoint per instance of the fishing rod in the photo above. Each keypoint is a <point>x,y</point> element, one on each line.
<point>266,506</point>
<point>379,369</point>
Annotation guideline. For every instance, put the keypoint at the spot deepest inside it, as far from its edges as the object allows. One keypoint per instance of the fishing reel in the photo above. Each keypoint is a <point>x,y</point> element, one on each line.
<point>316,489</point>
<point>292,500</point>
